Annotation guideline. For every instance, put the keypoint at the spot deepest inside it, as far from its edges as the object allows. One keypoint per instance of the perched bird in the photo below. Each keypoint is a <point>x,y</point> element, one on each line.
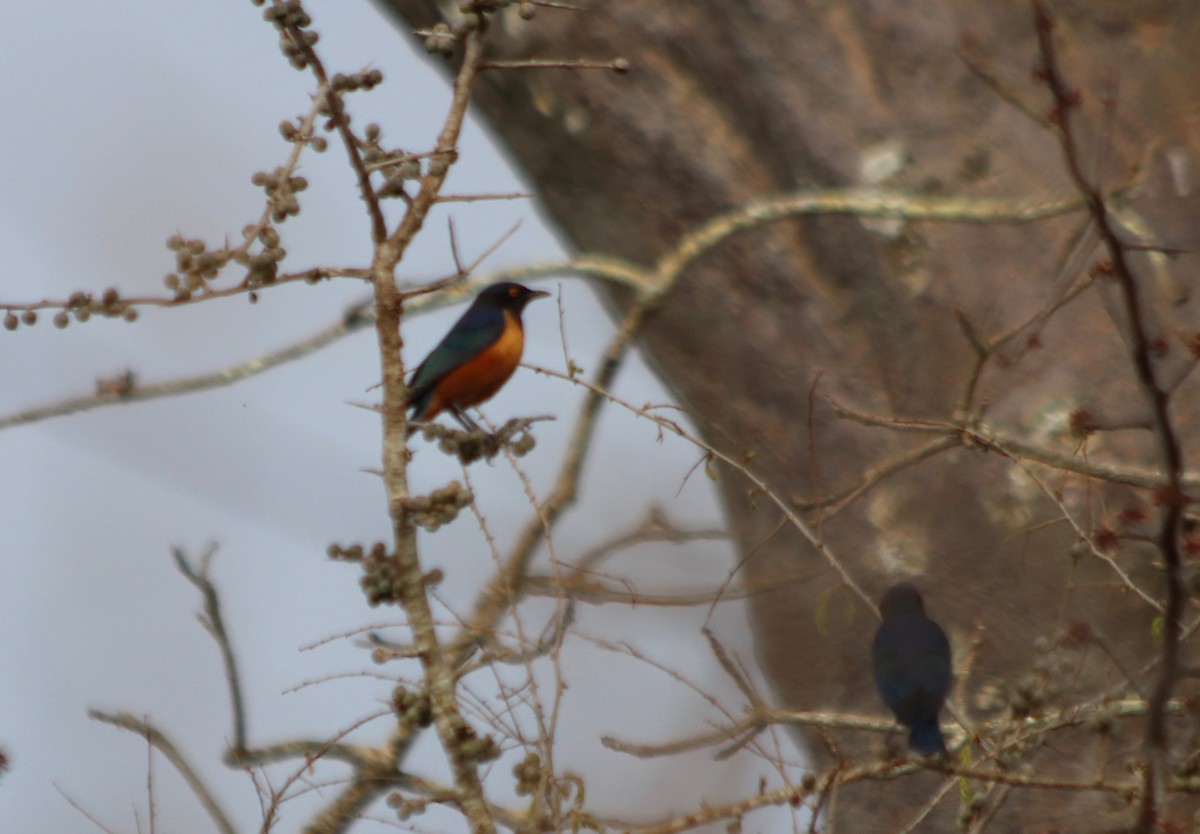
<point>911,661</point>
<point>475,358</point>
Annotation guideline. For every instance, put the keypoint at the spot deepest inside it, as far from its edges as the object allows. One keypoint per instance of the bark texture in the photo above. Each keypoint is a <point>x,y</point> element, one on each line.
<point>727,101</point>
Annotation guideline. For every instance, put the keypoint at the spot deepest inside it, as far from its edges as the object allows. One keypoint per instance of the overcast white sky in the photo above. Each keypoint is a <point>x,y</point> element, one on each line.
<point>124,124</point>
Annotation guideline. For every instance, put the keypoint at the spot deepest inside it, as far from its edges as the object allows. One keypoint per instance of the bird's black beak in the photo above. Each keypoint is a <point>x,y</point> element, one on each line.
<point>537,294</point>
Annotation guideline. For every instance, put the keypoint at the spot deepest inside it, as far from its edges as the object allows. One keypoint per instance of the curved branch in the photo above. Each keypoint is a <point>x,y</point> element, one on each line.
<point>125,721</point>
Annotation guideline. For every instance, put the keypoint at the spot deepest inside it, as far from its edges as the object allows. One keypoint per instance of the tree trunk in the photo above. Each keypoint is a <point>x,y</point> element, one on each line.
<point>730,101</point>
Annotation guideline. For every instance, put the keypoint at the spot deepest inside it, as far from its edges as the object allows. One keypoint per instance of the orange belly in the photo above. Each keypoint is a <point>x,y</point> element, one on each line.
<point>480,378</point>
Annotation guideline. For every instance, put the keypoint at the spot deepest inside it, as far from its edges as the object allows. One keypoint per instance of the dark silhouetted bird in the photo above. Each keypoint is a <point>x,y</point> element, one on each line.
<point>476,357</point>
<point>911,661</point>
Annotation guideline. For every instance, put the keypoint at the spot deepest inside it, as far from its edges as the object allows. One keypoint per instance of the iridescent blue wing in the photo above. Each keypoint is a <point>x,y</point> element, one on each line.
<point>479,327</point>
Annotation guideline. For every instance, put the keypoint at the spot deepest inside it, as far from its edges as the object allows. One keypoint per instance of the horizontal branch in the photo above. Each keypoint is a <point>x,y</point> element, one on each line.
<point>308,276</point>
<point>356,755</point>
<point>580,587</point>
<point>645,280</point>
<point>987,436</point>
<point>861,202</point>
<point>355,318</point>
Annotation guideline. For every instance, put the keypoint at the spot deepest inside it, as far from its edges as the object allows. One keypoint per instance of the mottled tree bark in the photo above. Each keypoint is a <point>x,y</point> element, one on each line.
<point>727,101</point>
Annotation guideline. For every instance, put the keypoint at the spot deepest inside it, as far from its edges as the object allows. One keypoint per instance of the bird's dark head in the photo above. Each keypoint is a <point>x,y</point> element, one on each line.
<point>901,598</point>
<point>508,296</point>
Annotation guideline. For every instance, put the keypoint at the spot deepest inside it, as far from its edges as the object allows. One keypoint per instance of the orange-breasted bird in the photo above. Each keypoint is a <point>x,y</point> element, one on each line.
<point>475,358</point>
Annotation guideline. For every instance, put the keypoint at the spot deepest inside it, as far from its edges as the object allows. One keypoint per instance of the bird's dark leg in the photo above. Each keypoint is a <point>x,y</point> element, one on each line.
<point>463,420</point>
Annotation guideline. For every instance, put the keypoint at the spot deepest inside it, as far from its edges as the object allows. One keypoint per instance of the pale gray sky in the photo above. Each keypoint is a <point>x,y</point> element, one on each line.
<point>124,124</point>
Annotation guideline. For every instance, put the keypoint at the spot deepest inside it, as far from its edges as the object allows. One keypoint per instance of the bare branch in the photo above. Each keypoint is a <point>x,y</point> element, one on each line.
<point>1066,99</point>
<point>214,624</point>
<point>164,745</point>
<point>355,318</point>
<point>439,667</point>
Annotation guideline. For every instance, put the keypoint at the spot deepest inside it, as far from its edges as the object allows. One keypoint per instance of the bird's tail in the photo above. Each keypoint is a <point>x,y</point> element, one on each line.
<point>925,737</point>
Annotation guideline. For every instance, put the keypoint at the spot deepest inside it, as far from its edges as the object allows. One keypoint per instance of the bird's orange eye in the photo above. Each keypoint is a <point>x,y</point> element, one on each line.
<point>512,291</point>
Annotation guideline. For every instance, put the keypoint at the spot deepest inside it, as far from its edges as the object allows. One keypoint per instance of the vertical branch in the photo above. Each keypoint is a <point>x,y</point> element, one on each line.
<point>214,624</point>
<point>1171,496</point>
<point>439,670</point>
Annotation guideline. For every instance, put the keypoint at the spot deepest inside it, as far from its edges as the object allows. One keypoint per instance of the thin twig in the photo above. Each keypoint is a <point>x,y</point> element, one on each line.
<point>308,276</point>
<point>617,65</point>
<point>781,503</point>
<point>504,588</point>
<point>354,319</point>
<point>164,745</point>
<point>92,818</point>
<point>214,624</point>
<point>332,99</point>
<point>1172,496</point>
<point>986,436</point>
